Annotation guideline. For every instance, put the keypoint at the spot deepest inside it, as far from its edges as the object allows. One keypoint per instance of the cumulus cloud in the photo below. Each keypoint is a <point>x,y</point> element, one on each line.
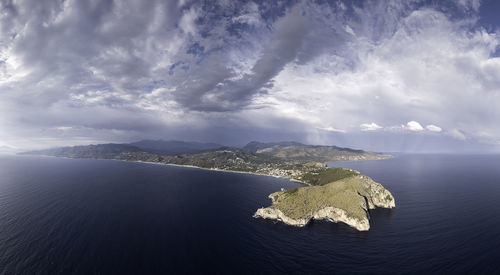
<point>414,126</point>
<point>433,128</point>
<point>369,127</point>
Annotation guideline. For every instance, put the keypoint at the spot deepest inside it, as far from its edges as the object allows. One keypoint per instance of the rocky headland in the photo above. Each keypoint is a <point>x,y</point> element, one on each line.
<point>346,200</point>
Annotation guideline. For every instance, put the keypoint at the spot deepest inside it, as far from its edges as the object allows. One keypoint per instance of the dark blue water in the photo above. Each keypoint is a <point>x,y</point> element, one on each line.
<point>64,216</point>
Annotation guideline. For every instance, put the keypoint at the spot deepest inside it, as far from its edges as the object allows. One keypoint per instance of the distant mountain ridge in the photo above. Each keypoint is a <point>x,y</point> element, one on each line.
<point>99,151</point>
<point>255,146</point>
<point>174,147</point>
<point>194,153</point>
<point>294,151</point>
<point>112,150</point>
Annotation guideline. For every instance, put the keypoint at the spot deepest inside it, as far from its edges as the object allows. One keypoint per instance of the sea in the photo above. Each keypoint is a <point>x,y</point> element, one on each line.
<point>84,216</point>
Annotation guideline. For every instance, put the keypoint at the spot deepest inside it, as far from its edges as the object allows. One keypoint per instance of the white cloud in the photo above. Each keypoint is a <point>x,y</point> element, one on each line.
<point>430,68</point>
<point>63,128</point>
<point>369,127</point>
<point>187,21</point>
<point>6,145</point>
<point>414,126</point>
<point>250,15</point>
<point>470,4</point>
<point>457,134</point>
<point>349,30</point>
<point>331,129</point>
<point>433,128</point>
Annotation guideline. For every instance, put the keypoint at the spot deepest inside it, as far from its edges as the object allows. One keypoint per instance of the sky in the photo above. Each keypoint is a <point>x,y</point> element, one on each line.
<point>410,76</point>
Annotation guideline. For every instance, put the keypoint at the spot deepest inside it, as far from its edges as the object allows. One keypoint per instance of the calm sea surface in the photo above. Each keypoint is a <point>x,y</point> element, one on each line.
<point>76,216</point>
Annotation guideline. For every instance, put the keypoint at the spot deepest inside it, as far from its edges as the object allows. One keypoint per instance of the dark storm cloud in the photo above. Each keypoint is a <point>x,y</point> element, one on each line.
<point>213,90</point>
<point>235,70</point>
<point>302,33</point>
<point>84,46</point>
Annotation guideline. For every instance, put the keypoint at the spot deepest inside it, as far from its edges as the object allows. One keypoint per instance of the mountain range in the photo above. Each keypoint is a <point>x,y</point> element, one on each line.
<point>288,151</point>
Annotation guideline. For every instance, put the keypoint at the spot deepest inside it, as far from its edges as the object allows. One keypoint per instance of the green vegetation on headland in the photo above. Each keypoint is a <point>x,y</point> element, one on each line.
<point>346,200</point>
<point>326,176</point>
<point>334,194</point>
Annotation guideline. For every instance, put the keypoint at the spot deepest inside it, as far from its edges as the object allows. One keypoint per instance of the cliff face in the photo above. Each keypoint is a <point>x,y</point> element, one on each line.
<point>347,200</point>
<point>380,197</point>
<point>331,214</point>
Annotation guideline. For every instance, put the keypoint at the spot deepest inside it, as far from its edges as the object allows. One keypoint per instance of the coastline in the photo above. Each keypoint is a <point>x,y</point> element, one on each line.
<point>184,166</point>
<point>250,173</point>
<point>214,169</point>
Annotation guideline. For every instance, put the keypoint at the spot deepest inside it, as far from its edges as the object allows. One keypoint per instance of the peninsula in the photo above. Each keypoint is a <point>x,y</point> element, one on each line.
<point>333,194</point>
<point>346,198</point>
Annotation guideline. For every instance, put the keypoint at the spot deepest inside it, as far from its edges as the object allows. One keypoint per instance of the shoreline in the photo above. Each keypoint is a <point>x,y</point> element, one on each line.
<point>215,169</point>
<point>185,166</point>
<point>243,172</point>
